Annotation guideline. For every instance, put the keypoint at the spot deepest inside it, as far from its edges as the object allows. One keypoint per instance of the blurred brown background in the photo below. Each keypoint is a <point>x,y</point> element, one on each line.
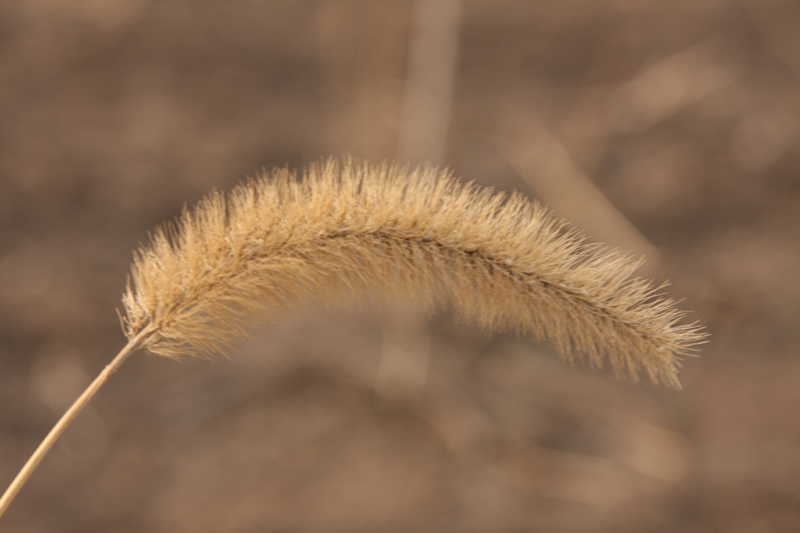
<point>667,127</point>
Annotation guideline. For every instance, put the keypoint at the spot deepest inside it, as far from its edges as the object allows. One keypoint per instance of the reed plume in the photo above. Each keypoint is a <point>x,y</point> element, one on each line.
<point>278,243</point>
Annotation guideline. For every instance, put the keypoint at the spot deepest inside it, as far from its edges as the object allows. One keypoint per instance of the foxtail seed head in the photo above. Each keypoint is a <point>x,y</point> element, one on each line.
<point>280,243</point>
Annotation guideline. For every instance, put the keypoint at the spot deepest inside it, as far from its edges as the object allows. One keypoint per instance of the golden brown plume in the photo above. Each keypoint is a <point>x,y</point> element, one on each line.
<point>279,243</point>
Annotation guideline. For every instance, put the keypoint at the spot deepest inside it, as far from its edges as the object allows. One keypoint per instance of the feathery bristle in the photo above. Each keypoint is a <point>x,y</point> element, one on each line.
<point>279,243</point>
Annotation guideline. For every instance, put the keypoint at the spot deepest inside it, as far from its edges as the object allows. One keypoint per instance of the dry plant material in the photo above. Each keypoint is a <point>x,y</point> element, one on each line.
<point>279,244</point>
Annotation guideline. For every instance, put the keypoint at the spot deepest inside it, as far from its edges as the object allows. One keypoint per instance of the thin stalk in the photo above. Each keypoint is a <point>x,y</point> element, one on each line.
<point>66,420</point>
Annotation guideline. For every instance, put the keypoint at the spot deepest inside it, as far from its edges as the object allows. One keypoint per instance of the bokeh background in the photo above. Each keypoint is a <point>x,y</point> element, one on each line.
<point>667,127</point>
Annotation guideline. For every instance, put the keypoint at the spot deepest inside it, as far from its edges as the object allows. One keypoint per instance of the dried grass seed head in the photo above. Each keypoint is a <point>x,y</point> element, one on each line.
<point>278,243</point>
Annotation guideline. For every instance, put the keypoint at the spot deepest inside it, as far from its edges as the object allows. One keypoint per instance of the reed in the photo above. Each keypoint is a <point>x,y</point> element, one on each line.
<point>278,244</point>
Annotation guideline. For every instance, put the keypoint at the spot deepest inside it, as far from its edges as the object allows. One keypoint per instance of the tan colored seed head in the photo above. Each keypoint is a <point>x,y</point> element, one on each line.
<point>280,243</point>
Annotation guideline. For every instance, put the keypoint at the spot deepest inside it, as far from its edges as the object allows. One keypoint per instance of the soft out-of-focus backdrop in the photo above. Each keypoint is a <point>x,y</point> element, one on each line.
<point>669,127</point>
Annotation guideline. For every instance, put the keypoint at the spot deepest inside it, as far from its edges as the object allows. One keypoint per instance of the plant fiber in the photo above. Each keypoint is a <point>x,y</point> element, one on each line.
<point>278,244</point>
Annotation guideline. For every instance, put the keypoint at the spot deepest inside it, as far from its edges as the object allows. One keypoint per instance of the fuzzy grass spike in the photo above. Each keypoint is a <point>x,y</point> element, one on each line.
<point>278,244</point>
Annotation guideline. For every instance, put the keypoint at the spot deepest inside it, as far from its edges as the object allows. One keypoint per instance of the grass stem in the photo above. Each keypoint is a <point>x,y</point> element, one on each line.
<point>66,420</point>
